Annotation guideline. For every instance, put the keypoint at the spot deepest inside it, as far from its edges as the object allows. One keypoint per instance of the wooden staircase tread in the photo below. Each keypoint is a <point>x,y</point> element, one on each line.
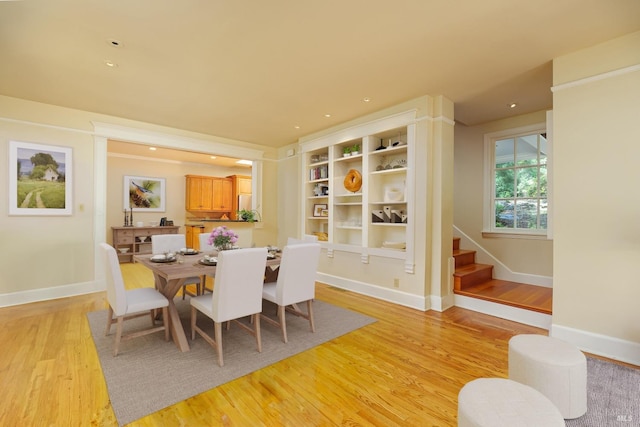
<point>462,252</point>
<point>475,281</point>
<point>470,268</point>
<point>520,295</point>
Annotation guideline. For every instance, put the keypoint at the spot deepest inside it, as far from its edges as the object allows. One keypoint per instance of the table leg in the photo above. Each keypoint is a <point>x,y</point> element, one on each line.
<point>177,331</point>
<point>170,289</point>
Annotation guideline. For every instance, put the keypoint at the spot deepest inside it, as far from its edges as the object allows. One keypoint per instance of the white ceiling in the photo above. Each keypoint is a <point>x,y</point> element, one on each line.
<point>252,70</point>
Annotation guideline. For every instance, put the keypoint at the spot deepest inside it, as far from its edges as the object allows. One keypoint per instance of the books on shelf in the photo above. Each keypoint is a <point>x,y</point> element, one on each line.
<point>319,172</point>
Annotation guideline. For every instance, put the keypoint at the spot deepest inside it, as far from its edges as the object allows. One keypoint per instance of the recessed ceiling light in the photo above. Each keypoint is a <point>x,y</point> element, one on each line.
<point>296,127</point>
<point>152,148</point>
<point>244,162</point>
<point>114,43</point>
<point>110,63</point>
<point>366,99</point>
<point>513,105</point>
<point>327,115</point>
<point>213,157</point>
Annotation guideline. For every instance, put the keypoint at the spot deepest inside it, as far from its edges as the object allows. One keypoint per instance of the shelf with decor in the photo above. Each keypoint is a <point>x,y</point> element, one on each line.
<point>388,205</point>
<point>316,192</point>
<point>370,193</point>
<point>346,200</point>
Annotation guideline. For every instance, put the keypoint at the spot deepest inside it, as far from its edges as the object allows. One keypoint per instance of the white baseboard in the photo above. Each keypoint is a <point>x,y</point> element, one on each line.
<point>442,303</point>
<point>397,297</point>
<point>601,345</point>
<point>44,294</point>
<point>527,317</point>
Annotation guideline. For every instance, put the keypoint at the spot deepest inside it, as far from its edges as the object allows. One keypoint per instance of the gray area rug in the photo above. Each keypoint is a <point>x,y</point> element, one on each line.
<point>150,374</point>
<point>613,396</point>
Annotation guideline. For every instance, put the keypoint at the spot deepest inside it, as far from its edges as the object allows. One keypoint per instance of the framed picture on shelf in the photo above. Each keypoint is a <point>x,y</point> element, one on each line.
<point>40,179</point>
<point>144,194</point>
<point>318,210</point>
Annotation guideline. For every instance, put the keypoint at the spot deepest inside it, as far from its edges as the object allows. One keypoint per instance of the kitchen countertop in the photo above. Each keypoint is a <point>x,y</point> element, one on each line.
<point>197,222</point>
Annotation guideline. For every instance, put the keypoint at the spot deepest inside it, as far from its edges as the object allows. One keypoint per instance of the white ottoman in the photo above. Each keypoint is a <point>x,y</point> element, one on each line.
<point>498,402</point>
<point>554,367</point>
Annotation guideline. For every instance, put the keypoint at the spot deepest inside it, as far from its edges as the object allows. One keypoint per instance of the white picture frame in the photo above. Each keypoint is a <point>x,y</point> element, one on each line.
<point>40,179</point>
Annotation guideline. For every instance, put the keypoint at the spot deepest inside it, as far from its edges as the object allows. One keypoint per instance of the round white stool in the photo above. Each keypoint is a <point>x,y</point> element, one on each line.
<point>554,367</point>
<point>498,402</point>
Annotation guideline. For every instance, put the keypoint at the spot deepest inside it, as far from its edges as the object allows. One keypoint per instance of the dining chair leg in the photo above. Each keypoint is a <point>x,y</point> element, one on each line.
<point>194,312</point>
<point>116,344</point>
<point>109,321</point>
<point>283,322</point>
<point>310,313</point>
<point>217,326</point>
<point>165,322</point>
<point>256,318</point>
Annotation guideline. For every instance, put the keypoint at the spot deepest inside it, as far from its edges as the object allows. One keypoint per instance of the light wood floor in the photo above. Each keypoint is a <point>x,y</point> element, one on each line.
<point>404,370</point>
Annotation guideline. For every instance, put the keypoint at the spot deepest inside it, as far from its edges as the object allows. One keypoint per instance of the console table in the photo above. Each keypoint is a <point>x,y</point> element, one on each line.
<point>130,241</point>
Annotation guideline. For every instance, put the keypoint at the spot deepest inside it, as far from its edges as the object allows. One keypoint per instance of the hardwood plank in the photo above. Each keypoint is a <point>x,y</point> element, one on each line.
<point>404,370</point>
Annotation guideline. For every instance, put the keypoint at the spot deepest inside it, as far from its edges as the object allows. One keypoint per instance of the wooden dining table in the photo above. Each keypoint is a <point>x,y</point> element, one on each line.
<point>169,278</point>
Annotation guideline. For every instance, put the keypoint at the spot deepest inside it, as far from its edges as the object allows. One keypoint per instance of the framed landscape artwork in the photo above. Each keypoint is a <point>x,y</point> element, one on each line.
<point>40,179</point>
<point>144,194</point>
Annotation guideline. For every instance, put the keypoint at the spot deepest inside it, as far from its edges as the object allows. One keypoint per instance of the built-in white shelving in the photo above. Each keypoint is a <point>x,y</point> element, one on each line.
<point>377,218</point>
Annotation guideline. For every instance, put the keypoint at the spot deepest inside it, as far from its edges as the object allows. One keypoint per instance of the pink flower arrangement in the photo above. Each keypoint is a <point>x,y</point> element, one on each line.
<point>222,237</point>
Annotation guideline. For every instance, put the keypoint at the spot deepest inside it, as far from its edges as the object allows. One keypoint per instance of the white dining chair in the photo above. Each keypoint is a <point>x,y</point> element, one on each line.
<point>237,293</point>
<point>296,284</point>
<point>206,248</point>
<point>128,304</point>
<point>163,243</point>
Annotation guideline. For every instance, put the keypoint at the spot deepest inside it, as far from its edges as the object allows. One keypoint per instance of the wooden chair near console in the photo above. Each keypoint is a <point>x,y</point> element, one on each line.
<point>296,284</point>
<point>163,243</point>
<point>236,294</point>
<point>129,304</point>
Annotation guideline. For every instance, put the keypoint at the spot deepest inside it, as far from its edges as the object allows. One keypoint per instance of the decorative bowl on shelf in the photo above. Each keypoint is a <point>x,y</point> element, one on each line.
<point>123,250</point>
<point>393,194</point>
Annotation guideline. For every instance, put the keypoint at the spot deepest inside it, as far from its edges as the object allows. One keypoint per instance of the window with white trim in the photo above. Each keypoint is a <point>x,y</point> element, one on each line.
<point>516,181</point>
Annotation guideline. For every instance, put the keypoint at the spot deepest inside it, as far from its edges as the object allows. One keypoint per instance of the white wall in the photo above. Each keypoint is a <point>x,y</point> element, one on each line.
<point>51,257</point>
<point>596,229</point>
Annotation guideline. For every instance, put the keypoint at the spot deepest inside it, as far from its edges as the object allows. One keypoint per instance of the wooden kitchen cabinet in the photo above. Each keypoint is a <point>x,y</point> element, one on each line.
<point>193,236</point>
<point>208,194</point>
<point>199,195</point>
<point>241,185</point>
<point>222,195</point>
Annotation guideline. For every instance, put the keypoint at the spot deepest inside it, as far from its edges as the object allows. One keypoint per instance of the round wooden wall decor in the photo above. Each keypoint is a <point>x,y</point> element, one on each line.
<point>353,180</point>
